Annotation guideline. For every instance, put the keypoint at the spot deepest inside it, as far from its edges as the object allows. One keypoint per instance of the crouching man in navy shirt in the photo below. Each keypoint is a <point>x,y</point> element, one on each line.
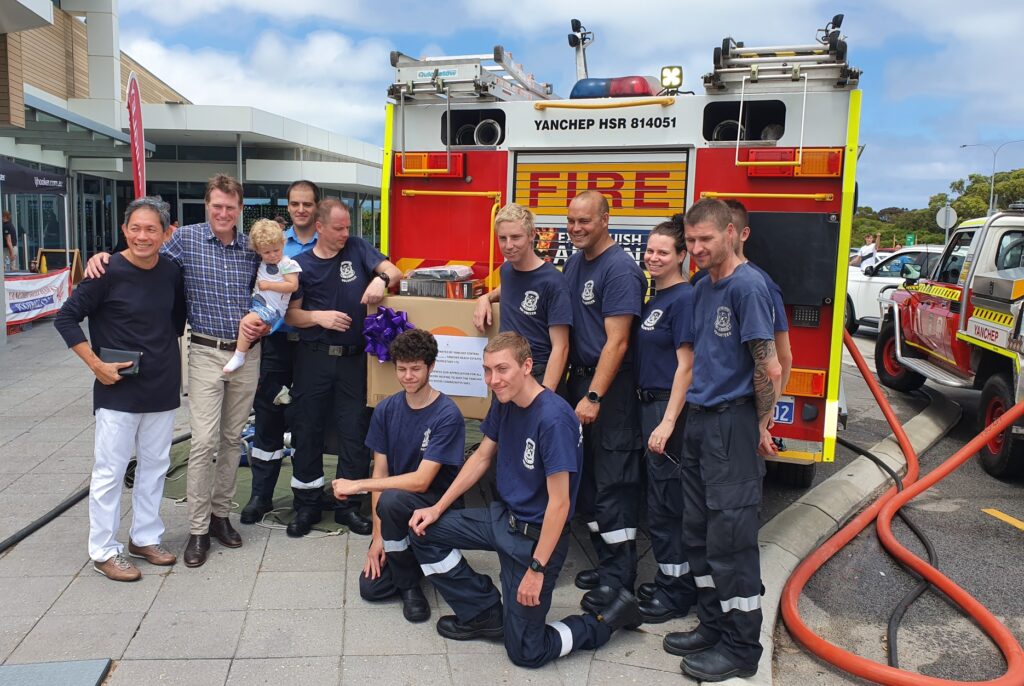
<point>418,441</point>
<point>537,440</point>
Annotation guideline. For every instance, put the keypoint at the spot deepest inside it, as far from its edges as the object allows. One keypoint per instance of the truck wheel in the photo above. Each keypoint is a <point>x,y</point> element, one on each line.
<point>795,475</point>
<point>1003,456</point>
<point>850,319</point>
<point>890,372</point>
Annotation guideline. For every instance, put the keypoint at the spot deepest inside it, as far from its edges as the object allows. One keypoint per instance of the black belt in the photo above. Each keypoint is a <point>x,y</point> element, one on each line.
<point>333,350</point>
<point>720,407</point>
<point>651,396</point>
<point>577,370</point>
<point>292,336</point>
<point>531,531</point>
<point>213,342</point>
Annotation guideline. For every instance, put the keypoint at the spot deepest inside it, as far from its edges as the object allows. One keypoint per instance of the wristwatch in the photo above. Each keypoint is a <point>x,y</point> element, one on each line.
<point>385,278</point>
<point>536,566</point>
<point>593,397</point>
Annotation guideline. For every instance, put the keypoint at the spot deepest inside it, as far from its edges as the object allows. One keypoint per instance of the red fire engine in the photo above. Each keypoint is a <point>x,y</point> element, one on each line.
<point>775,127</point>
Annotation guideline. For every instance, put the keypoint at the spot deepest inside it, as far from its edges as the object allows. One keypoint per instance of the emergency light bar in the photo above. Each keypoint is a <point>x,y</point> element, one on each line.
<point>621,87</point>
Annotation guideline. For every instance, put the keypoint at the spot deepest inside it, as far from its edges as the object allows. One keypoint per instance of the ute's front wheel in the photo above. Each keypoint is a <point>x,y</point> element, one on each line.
<point>890,372</point>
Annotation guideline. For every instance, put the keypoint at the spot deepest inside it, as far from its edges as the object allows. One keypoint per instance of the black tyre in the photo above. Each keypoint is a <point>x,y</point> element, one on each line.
<point>1003,456</point>
<point>850,321</point>
<point>890,372</point>
<point>795,475</point>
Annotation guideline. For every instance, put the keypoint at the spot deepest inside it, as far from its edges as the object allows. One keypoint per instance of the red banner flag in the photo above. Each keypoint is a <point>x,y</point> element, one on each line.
<point>135,133</point>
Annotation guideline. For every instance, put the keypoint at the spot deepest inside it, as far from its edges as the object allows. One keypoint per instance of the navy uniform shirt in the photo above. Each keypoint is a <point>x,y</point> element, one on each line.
<point>406,436</point>
<point>533,443</point>
<point>726,316</point>
<point>141,310</point>
<point>337,284</point>
<point>533,301</point>
<point>611,284</point>
<point>778,307</point>
<point>664,326</point>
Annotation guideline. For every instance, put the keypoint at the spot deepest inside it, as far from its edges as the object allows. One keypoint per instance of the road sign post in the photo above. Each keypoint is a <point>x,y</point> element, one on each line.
<point>946,219</point>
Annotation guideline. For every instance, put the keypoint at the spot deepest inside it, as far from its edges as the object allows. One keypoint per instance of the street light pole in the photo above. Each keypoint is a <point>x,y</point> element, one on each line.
<point>992,180</point>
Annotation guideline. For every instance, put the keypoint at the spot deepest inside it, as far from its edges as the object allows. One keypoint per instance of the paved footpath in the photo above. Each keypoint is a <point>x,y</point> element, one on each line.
<point>276,611</point>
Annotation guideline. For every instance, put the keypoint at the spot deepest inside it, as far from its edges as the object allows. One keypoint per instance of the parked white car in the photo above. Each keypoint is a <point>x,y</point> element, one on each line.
<point>864,285</point>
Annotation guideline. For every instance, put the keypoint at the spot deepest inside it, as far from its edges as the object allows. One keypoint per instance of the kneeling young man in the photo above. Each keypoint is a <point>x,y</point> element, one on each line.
<point>537,440</point>
<point>418,441</point>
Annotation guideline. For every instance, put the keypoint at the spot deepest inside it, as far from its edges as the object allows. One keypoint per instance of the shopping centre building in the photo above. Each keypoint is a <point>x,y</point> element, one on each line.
<point>62,86</point>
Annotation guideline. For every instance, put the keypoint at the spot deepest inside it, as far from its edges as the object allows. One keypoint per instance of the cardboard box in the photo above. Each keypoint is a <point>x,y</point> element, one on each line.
<point>433,288</point>
<point>450,321</point>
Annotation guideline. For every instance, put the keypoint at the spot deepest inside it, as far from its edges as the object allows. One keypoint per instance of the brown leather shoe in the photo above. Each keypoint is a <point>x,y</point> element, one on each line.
<point>153,554</point>
<point>196,548</point>
<point>221,529</point>
<point>118,568</point>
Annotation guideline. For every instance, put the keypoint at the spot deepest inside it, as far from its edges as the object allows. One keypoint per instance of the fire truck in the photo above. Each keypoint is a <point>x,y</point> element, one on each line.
<point>961,326</point>
<point>775,127</point>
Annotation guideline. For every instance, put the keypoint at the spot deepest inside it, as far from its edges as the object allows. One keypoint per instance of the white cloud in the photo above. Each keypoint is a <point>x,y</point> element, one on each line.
<point>328,80</point>
<point>943,71</point>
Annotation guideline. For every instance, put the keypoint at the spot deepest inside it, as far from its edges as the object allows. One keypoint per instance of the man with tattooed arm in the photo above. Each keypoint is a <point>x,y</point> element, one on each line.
<point>736,377</point>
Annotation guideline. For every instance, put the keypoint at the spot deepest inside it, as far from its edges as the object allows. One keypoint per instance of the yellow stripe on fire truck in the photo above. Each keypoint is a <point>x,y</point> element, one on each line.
<point>1000,318</point>
<point>943,292</point>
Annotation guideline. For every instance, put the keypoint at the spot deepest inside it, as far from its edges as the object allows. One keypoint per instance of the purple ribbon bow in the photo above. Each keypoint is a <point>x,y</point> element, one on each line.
<point>382,328</point>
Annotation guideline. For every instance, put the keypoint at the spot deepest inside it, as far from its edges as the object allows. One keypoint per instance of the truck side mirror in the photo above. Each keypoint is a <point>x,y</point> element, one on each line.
<point>910,272</point>
<point>870,271</point>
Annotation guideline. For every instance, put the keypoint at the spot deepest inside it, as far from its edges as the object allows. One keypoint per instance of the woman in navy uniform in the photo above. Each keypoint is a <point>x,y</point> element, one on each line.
<point>664,365</point>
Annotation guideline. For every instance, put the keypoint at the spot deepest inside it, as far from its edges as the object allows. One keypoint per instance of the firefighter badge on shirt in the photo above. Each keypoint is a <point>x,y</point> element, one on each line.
<point>528,453</point>
<point>529,304</point>
<point>346,272</point>
<point>651,320</point>
<point>723,322</point>
<point>588,293</point>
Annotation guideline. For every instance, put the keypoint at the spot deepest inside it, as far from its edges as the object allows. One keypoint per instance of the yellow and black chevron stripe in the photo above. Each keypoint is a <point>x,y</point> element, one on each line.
<point>1000,318</point>
<point>944,292</point>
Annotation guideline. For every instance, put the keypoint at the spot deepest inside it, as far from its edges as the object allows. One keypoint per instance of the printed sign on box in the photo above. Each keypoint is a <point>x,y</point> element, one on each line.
<point>458,372</point>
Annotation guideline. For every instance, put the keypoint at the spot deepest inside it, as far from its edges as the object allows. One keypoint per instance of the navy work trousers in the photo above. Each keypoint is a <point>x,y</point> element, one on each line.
<point>327,388</point>
<point>529,641</point>
<point>722,475</point>
<point>673,579</point>
<point>609,495</point>
<point>276,363</point>
<point>401,572</point>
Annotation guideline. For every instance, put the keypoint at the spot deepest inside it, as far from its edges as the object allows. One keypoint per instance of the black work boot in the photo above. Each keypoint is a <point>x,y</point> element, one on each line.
<point>587,579</point>
<point>622,612</point>
<point>264,480</point>
<point>711,665</point>
<point>488,624</point>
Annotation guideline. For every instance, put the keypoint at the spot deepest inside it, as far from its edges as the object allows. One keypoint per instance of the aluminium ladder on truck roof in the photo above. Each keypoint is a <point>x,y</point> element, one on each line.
<point>491,77</point>
<point>823,63</point>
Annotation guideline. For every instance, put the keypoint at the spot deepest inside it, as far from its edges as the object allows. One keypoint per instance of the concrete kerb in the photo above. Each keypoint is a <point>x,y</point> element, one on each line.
<point>796,531</point>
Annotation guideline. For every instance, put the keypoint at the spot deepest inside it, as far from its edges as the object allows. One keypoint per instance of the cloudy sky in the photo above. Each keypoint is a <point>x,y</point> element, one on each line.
<point>937,74</point>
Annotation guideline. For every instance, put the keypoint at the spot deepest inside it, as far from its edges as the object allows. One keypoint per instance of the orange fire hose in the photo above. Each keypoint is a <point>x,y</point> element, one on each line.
<point>884,509</point>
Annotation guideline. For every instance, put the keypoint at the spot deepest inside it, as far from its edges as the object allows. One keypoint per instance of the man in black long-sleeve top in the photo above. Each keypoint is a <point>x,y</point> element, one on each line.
<point>139,307</point>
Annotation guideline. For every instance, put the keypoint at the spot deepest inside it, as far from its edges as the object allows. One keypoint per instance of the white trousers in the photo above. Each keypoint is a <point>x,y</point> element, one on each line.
<point>118,435</point>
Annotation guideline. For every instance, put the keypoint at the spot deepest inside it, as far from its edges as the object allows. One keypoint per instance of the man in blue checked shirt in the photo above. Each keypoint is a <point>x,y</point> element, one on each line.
<point>219,269</point>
